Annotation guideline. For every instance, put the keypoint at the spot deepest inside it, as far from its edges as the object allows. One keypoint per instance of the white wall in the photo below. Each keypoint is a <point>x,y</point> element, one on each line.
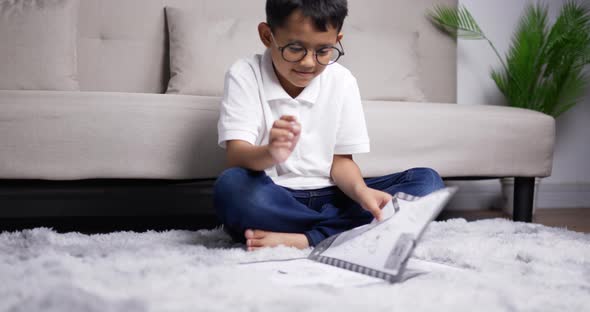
<point>569,185</point>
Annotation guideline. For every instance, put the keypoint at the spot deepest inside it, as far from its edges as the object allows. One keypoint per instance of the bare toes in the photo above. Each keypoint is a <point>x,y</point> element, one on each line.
<point>259,234</point>
<point>254,243</point>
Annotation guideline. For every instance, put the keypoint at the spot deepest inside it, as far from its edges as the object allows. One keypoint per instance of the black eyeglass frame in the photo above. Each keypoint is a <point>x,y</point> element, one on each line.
<point>340,51</point>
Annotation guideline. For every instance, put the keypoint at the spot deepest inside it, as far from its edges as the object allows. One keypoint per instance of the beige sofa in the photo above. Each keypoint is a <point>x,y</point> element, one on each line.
<point>112,142</point>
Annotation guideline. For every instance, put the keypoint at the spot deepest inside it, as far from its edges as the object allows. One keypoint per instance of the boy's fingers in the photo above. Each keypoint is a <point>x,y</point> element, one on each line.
<point>292,126</point>
<point>288,118</point>
<point>282,124</point>
<point>281,134</point>
<point>376,212</point>
<point>278,144</point>
<point>384,201</point>
<point>296,128</point>
<point>377,215</point>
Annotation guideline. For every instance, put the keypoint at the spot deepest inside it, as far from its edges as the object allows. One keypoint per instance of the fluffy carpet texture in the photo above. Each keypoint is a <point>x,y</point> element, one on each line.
<point>507,267</point>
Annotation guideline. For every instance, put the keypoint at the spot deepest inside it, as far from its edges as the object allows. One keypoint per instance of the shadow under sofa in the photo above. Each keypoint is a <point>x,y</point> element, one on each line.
<point>134,155</point>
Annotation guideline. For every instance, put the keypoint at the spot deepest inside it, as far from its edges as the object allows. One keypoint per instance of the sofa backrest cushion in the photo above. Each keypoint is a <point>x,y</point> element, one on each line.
<point>123,44</point>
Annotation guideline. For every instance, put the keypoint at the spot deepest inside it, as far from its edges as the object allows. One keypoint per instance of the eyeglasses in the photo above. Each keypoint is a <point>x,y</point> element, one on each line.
<point>295,52</point>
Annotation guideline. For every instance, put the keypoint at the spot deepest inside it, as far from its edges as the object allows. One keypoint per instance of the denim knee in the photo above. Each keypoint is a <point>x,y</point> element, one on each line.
<point>428,178</point>
<point>228,178</point>
<point>227,188</point>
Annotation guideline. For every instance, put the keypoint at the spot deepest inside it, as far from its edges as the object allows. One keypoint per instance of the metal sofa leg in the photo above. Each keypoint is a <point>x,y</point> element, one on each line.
<point>524,188</point>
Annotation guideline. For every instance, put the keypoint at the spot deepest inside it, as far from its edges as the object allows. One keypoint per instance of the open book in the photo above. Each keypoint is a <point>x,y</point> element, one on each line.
<point>379,249</point>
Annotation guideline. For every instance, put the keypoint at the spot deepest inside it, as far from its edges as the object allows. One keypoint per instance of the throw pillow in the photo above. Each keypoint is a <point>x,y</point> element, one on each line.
<point>38,44</point>
<point>384,64</point>
<point>202,49</point>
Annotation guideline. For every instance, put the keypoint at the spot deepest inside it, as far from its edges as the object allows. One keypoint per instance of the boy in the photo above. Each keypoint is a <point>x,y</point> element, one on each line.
<point>290,121</point>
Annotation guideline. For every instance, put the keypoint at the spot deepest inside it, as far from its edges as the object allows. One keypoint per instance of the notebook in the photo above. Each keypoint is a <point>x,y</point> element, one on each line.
<point>380,249</point>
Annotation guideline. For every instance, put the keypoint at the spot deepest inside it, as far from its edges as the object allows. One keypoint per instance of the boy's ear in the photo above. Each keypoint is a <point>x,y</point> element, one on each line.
<point>264,33</point>
<point>339,37</point>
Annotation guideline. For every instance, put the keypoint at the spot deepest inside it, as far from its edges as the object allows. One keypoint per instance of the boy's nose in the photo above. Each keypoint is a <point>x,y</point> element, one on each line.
<point>308,61</point>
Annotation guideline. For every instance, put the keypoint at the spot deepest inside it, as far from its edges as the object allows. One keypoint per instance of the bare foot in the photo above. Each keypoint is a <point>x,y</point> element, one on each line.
<point>256,239</point>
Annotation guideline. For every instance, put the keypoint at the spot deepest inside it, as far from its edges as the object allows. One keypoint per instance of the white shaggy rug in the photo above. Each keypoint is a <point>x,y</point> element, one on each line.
<point>506,267</point>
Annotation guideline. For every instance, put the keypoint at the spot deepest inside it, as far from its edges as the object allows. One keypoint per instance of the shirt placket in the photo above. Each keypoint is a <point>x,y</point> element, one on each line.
<point>297,108</point>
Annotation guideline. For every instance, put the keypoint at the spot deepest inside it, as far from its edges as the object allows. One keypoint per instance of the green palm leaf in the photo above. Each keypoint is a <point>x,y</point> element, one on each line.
<point>566,53</point>
<point>456,21</point>
<point>544,67</point>
<point>524,59</point>
<point>459,23</point>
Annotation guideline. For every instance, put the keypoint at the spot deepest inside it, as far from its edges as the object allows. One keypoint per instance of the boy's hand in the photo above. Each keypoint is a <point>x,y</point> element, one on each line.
<point>373,201</point>
<point>284,136</point>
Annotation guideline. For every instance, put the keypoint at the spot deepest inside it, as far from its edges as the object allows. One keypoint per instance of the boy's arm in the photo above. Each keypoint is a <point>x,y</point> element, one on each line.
<point>347,176</point>
<point>245,155</point>
<point>284,136</point>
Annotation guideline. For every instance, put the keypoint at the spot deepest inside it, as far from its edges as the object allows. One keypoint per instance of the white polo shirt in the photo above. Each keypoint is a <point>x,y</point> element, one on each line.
<point>329,110</point>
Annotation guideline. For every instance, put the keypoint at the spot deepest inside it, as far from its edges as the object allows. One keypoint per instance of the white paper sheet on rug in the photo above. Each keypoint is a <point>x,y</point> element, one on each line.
<point>305,272</point>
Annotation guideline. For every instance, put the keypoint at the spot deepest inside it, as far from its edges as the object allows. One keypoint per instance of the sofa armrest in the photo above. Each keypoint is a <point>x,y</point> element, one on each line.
<point>457,140</point>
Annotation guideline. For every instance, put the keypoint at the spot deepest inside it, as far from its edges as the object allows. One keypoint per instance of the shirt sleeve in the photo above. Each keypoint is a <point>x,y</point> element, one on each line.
<point>240,114</point>
<point>352,135</point>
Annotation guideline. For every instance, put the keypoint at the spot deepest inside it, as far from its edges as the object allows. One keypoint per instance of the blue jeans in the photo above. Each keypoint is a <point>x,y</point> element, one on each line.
<point>246,199</point>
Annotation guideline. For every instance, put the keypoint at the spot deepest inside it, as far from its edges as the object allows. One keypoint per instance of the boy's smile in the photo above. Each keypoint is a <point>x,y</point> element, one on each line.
<point>295,76</point>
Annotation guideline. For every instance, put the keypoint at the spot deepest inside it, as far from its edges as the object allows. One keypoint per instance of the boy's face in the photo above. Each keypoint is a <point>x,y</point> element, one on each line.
<point>298,29</point>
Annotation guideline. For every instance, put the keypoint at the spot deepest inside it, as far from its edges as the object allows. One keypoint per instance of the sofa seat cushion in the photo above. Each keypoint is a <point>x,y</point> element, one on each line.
<point>82,135</point>
<point>58,135</point>
<point>458,140</point>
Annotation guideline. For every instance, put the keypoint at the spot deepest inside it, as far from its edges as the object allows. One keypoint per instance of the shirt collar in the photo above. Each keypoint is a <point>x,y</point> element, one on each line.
<point>273,89</point>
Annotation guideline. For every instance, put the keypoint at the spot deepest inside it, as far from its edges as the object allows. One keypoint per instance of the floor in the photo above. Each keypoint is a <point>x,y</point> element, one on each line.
<point>575,219</point>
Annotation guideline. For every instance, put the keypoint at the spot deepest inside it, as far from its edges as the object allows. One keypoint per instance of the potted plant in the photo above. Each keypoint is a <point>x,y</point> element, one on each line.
<point>543,69</point>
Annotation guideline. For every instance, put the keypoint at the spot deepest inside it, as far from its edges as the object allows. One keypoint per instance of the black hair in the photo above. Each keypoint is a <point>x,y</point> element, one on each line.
<point>321,12</point>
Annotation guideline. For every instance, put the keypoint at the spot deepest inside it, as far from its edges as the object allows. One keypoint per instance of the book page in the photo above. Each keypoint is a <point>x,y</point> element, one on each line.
<point>382,248</point>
